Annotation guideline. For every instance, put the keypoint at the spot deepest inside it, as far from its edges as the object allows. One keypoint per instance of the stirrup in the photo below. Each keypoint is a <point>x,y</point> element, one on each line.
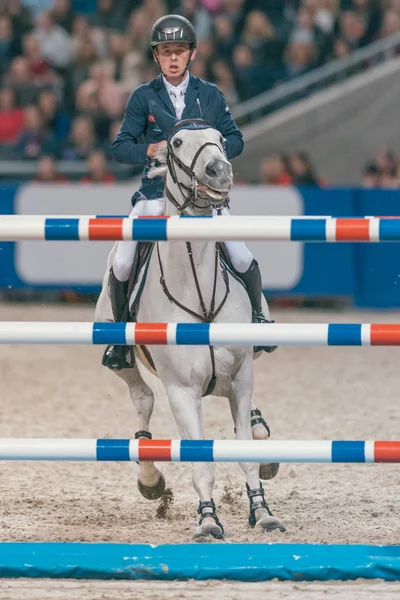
<point>212,514</point>
<point>258,317</point>
<point>256,505</point>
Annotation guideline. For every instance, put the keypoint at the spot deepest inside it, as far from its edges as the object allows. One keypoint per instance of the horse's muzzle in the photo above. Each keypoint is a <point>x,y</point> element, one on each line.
<point>219,170</point>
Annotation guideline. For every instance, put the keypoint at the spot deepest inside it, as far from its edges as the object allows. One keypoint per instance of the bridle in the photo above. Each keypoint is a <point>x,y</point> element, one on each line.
<point>205,316</point>
<point>173,161</point>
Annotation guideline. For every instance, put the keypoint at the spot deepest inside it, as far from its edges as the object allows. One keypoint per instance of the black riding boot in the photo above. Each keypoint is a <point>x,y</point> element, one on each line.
<point>115,357</point>
<point>253,282</point>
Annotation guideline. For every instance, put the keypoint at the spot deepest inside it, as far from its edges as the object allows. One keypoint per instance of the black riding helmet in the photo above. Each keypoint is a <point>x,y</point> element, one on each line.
<point>173,28</point>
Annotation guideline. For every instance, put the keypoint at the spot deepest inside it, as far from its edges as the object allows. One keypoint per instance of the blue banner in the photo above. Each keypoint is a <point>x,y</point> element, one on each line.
<point>366,273</point>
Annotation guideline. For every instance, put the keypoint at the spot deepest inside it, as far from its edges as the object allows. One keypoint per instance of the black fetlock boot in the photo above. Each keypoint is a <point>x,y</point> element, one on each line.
<point>253,282</point>
<point>267,522</point>
<point>116,357</point>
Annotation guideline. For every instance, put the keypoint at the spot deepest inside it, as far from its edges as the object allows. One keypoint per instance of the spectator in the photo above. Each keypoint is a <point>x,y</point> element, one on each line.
<point>353,29</point>
<point>39,67</point>
<point>21,18</point>
<point>11,117</point>
<point>224,37</point>
<point>82,139</point>
<point>20,80</point>
<point>370,176</point>
<point>127,62</point>
<point>109,14</point>
<point>224,79</point>
<point>8,45</point>
<point>390,23</point>
<point>251,79</point>
<point>234,10</point>
<point>55,118</point>
<point>47,171</point>
<point>139,26</point>
<point>55,42</point>
<point>197,15</point>
<point>82,33</point>
<point>63,14</point>
<point>340,48</point>
<point>107,145</point>
<point>299,58</point>
<point>273,171</point>
<point>84,58</point>
<point>98,172</point>
<point>199,67</point>
<point>34,140</point>
<point>301,170</point>
<point>102,84</point>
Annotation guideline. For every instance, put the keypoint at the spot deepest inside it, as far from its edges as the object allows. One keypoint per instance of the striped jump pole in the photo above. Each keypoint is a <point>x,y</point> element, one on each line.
<point>219,228</point>
<point>282,451</point>
<point>200,334</point>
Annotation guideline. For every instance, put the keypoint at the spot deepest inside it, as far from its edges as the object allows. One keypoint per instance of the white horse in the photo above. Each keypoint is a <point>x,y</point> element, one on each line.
<point>198,179</point>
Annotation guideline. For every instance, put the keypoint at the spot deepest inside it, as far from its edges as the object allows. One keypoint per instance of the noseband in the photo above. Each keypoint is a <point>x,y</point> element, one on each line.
<point>173,161</point>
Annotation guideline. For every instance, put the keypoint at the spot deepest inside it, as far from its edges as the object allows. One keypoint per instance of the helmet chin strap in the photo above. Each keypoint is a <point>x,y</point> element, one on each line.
<point>182,76</point>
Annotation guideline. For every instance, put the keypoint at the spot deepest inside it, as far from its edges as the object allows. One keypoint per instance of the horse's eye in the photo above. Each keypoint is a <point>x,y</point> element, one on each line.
<point>177,143</point>
<point>221,141</point>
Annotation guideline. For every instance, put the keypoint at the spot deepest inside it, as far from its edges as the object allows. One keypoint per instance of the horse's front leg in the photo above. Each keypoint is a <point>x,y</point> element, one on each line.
<point>151,482</point>
<point>240,403</point>
<point>187,409</point>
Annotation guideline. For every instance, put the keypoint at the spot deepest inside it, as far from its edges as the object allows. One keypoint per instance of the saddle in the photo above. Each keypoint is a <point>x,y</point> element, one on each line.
<point>141,263</point>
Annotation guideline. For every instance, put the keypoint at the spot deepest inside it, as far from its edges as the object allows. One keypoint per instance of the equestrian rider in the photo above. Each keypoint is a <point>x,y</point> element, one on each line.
<point>173,43</point>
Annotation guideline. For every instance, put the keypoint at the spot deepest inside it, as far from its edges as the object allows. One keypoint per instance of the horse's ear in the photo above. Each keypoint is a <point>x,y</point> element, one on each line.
<point>164,120</point>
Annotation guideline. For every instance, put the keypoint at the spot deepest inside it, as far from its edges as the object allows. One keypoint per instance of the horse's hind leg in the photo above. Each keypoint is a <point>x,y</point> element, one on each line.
<point>240,403</point>
<point>151,482</point>
<point>261,431</point>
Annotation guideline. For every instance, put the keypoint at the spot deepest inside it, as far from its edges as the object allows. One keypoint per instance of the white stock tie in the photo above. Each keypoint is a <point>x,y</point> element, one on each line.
<point>178,100</point>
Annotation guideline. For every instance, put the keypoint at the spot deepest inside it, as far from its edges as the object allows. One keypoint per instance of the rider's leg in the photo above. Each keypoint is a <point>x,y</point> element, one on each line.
<point>248,270</point>
<point>115,357</point>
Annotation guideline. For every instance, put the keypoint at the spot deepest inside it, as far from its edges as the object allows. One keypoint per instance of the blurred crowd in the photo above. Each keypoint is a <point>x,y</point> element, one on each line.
<point>296,168</point>
<point>383,171</point>
<point>67,67</point>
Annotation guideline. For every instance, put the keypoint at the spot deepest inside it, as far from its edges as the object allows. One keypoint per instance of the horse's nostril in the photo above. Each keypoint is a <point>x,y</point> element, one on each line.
<point>211,169</point>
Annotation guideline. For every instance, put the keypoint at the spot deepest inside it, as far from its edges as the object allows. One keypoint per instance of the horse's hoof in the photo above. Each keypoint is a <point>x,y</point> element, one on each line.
<point>208,529</point>
<point>269,471</point>
<point>152,492</point>
<point>269,523</point>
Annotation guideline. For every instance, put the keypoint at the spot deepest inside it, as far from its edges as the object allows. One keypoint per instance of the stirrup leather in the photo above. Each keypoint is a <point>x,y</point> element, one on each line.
<point>256,505</point>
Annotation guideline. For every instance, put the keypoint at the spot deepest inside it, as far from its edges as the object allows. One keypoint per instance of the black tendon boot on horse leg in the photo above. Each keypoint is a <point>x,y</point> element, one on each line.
<point>115,357</point>
<point>260,514</point>
<point>253,282</point>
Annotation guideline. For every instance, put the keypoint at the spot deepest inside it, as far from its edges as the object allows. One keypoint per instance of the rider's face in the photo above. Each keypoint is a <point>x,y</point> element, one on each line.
<point>173,58</point>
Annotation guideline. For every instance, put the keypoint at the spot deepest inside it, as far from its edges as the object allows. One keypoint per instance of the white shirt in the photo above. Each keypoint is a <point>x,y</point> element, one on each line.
<point>177,94</point>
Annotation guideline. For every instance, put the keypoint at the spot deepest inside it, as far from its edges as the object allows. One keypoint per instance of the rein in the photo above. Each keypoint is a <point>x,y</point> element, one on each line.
<point>206,316</point>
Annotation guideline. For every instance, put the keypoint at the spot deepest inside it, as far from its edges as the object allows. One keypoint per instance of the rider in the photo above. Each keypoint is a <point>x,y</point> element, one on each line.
<point>173,43</point>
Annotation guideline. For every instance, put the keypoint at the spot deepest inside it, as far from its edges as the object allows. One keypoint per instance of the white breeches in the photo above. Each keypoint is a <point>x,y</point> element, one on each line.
<point>125,252</point>
<point>239,254</point>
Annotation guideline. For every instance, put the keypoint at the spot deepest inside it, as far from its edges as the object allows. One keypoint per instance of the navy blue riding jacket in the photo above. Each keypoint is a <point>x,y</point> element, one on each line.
<point>138,129</point>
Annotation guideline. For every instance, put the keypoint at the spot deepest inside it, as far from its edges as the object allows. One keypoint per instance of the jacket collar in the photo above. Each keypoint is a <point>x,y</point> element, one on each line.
<point>190,96</point>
